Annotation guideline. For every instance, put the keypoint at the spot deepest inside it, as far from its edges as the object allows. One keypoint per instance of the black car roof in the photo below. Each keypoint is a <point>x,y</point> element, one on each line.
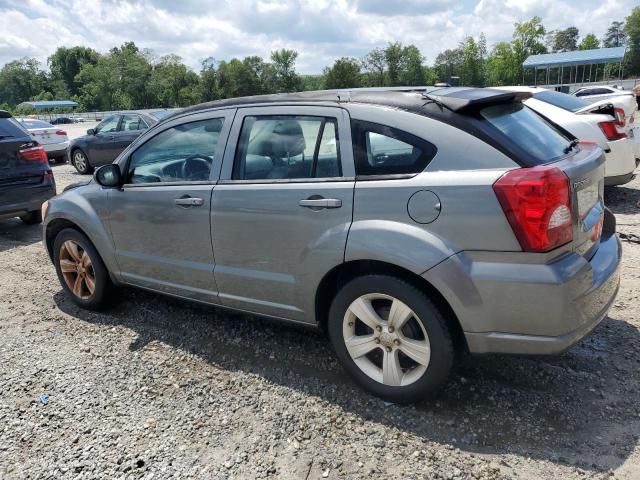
<point>420,100</point>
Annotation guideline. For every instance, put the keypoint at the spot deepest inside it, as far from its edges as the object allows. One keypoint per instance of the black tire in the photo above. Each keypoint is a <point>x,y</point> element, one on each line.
<point>32,218</point>
<point>103,285</point>
<point>443,353</point>
<point>80,161</point>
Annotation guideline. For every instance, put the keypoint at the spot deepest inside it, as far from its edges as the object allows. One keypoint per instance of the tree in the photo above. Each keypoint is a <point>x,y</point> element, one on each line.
<point>448,64</point>
<point>472,67</point>
<point>615,36</point>
<point>172,84</point>
<point>413,70</point>
<point>632,30</point>
<point>286,79</point>
<point>345,73</point>
<point>527,40</point>
<point>502,65</point>
<point>239,78</point>
<point>21,80</point>
<point>566,40</point>
<point>374,64</point>
<point>589,42</point>
<point>66,63</point>
<point>393,56</point>
<point>209,80</point>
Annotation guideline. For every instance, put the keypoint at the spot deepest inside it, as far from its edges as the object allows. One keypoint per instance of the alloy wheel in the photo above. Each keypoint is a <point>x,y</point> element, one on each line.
<point>77,269</point>
<point>80,161</point>
<point>386,340</point>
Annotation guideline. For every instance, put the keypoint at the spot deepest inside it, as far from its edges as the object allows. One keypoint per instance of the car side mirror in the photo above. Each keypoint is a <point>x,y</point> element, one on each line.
<point>108,175</point>
<point>91,131</point>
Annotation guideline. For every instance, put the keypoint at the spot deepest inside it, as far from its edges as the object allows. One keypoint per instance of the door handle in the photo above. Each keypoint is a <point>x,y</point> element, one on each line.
<point>321,203</point>
<point>189,202</point>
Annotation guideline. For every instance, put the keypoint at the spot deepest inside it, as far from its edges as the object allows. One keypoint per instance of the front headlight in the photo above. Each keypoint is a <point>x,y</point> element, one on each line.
<point>44,208</point>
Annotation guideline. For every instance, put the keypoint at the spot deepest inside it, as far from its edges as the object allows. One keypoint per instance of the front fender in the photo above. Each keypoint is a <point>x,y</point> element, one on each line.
<point>408,246</point>
<point>86,208</point>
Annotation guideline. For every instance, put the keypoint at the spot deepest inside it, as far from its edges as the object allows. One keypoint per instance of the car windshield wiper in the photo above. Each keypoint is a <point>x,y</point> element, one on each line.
<point>571,146</point>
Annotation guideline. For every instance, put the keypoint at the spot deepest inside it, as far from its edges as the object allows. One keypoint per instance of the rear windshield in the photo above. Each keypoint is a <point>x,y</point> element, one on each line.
<point>10,128</point>
<point>527,130</point>
<point>562,100</point>
<point>35,124</point>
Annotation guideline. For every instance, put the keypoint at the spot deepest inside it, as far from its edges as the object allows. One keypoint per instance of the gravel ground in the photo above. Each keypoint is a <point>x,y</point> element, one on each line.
<point>157,388</point>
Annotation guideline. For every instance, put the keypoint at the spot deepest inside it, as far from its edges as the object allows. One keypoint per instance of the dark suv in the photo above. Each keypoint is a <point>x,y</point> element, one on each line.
<point>26,180</point>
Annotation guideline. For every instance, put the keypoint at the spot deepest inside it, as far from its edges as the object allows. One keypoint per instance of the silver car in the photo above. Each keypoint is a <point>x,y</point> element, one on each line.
<point>412,226</point>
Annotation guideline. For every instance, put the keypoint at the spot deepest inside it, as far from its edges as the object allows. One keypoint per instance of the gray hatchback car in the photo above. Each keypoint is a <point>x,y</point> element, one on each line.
<point>412,225</point>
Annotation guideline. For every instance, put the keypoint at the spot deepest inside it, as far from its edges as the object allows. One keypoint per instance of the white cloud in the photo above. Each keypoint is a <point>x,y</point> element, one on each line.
<point>321,30</point>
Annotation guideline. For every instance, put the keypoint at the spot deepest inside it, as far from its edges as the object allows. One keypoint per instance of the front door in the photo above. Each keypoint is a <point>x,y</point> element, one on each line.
<point>160,219</point>
<point>283,207</point>
<point>102,144</point>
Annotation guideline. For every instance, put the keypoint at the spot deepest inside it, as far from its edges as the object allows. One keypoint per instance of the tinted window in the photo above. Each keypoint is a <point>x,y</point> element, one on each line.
<point>527,130</point>
<point>108,125</point>
<point>28,123</point>
<point>178,154</point>
<point>562,100</point>
<point>382,150</point>
<point>274,147</point>
<point>132,123</point>
<point>9,128</point>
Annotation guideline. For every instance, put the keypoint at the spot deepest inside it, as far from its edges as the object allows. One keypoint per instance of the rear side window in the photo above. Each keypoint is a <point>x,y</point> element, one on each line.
<point>10,128</point>
<point>526,130</point>
<point>382,150</point>
<point>562,100</point>
<point>279,147</point>
<point>27,123</point>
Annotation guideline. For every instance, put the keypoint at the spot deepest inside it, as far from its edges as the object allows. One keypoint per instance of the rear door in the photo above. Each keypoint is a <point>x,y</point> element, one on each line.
<point>282,210</point>
<point>159,219</point>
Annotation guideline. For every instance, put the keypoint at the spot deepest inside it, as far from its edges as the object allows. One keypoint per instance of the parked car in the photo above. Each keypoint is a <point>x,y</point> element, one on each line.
<point>77,119</point>
<point>412,226</point>
<point>61,121</point>
<point>102,144</point>
<point>587,121</point>
<point>26,180</point>
<point>54,141</point>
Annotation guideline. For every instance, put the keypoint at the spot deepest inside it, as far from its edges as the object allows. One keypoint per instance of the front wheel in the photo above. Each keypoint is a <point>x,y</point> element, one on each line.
<point>391,338</point>
<point>81,272</point>
<point>81,162</point>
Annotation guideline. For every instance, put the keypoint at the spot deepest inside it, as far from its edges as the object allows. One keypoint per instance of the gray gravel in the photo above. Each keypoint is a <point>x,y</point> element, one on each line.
<point>157,388</point>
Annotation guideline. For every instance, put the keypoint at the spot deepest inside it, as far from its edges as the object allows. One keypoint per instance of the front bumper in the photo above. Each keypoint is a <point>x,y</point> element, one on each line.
<point>530,308</point>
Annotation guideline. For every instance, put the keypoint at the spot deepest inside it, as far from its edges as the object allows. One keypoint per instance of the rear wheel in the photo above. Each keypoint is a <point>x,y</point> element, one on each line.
<point>80,269</point>
<point>32,218</point>
<point>81,162</point>
<point>391,338</point>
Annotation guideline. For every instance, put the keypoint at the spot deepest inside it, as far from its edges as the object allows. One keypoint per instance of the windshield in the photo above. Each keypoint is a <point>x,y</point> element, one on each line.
<point>27,123</point>
<point>527,130</point>
<point>562,100</point>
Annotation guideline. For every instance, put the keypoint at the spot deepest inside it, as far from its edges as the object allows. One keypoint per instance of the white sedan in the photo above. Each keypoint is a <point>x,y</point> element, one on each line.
<point>54,140</point>
<point>595,122</point>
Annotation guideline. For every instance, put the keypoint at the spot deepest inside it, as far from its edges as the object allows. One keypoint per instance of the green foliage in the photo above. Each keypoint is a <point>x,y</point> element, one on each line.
<point>20,81</point>
<point>615,36</point>
<point>565,40</point>
<point>589,42</point>
<point>502,65</point>
<point>345,73</point>
<point>632,31</point>
<point>285,77</point>
<point>65,64</point>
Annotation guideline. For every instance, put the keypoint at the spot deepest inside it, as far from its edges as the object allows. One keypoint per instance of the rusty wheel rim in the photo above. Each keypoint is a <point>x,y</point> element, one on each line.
<point>77,269</point>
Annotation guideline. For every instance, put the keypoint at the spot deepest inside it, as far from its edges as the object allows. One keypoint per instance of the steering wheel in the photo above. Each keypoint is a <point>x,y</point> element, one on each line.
<point>196,167</point>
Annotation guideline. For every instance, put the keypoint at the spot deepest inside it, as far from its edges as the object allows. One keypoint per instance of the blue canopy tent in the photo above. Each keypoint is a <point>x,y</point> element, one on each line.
<point>48,104</point>
<point>572,61</point>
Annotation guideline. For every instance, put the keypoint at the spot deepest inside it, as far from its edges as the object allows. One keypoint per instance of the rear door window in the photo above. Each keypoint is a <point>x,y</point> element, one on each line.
<point>519,126</point>
<point>381,150</point>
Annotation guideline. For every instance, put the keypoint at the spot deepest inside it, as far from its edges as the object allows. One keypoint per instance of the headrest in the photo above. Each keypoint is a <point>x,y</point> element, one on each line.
<point>285,140</point>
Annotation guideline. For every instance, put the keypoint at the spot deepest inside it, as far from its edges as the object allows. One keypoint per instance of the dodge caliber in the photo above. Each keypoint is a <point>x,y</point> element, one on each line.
<point>412,226</point>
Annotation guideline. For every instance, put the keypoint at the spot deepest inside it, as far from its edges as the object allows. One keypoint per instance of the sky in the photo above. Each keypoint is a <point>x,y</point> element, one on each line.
<point>320,30</point>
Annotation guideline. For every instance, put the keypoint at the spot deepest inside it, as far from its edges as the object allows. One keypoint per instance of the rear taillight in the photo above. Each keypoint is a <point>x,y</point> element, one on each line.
<point>620,117</point>
<point>34,154</point>
<point>537,204</point>
<point>610,130</point>
<point>61,132</point>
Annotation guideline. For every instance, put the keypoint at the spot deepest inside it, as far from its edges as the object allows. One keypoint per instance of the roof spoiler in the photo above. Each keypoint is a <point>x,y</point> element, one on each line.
<point>4,114</point>
<point>464,99</point>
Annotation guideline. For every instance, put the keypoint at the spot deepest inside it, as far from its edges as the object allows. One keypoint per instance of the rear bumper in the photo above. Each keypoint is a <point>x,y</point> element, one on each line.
<point>56,149</point>
<point>529,308</point>
<point>620,161</point>
<point>26,199</point>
